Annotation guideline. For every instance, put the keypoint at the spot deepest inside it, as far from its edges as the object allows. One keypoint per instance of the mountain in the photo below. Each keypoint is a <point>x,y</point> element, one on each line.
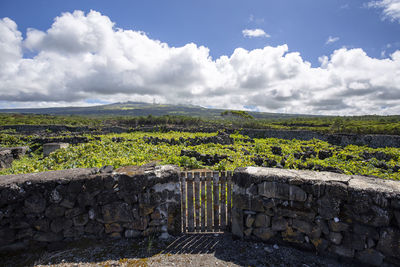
<point>143,109</point>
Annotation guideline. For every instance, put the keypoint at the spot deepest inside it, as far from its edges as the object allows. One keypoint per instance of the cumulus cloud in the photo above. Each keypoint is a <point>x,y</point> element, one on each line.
<point>250,33</point>
<point>391,8</point>
<point>331,40</point>
<point>82,57</point>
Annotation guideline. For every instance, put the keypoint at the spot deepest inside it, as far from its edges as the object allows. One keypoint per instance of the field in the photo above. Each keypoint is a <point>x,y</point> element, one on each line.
<point>216,151</point>
<point>131,115</point>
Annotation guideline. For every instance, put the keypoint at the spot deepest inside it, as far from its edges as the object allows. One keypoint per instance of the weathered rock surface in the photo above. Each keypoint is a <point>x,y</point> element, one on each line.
<point>9,154</point>
<point>348,216</point>
<point>79,203</point>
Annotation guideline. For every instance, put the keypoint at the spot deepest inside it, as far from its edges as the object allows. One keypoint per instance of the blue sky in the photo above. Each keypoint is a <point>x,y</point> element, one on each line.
<point>333,35</point>
<point>304,25</point>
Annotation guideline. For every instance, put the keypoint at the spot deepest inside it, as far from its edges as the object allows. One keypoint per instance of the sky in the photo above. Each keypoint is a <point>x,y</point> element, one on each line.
<point>328,57</point>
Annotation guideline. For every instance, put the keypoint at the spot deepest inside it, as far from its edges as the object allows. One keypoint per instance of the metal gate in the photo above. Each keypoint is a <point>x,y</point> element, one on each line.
<point>206,201</point>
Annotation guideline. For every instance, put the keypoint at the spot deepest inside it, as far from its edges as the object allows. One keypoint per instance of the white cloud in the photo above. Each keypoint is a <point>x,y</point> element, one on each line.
<point>391,8</point>
<point>84,56</point>
<point>250,33</point>
<point>331,40</point>
<point>255,20</point>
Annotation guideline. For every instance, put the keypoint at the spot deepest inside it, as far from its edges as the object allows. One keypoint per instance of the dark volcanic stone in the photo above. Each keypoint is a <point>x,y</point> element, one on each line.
<point>324,154</point>
<point>35,204</point>
<point>370,257</point>
<point>54,211</point>
<point>47,237</point>
<point>276,150</point>
<point>117,212</point>
<point>389,242</point>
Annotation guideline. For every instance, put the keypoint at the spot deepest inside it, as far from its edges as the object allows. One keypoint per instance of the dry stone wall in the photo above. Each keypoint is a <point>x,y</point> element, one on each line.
<point>371,140</point>
<point>44,208</point>
<point>349,216</point>
<point>9,154</point>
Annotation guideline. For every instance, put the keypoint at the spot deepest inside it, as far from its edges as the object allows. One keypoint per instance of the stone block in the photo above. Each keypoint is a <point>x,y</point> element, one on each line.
<point>115,235</point>
<point>328,207</point>
<point>74,232</point>
<point>342,251</point>
<point>264,233</point>
<point>146,209</point>
<point>19,224</point>
<point>320,244</point>
<point>132,233</point>
<point>366,231</point>
<point>335,238</point>
<point>281,191</point>
<point>249,220</point>
<point>257,204</point>
<point>54,211</point>
<point>6,159</point>
<point>60,224</point>
<point>7,236</point>
<point>395,203</point>
<point>240,201</point>
<point>237,222</point>
<point>337,190</point>
<point>47,237</point>
<point>269,203</point>
<point>34,204</point>
<point>315,232</point>
<point>293,236</point>
<point>117,212</point>
<point>296,214</point>
<point>85,199</point>
<point>248,231</point>
<point>71,213</point>
<point>302,226</point>
<point>151,230</point>
<point>338,226</point>
<point>370,257</point>
<point>389,242</point>
<point>376,217</point>
<point>279,223</point>
<point>156,215</point>
<point>354,241</point>
<point>95,228</point>
<point>75,187</point>
<point>106,198</point>
<point>155,222</point>
<point>25,233</point>
<point>397,216</point>
<point>138,224</point>
<point>51,147</point>
<point>81,220</point>
<point>113,227</point>
<point>262,220</point>
<point>55,196</point>
<point>370,243</point>
<point>41,225</point>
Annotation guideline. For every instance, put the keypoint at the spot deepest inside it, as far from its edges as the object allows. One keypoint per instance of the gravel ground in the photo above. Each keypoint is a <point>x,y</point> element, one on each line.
<point>186,250</point>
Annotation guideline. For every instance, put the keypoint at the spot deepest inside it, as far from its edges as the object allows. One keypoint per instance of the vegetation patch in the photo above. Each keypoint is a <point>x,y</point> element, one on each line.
<point>179,148</point>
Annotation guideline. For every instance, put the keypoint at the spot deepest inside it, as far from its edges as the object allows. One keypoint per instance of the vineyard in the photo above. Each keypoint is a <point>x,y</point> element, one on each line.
<point>214,151</point>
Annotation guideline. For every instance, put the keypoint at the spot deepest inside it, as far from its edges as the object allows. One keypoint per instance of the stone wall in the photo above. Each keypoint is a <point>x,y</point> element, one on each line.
<point>349,216</point>
<point>9,154</point>
<point>49,207</point>
<point>371,140</point>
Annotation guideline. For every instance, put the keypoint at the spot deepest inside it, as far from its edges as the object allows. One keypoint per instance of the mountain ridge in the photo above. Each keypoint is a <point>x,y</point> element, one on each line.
<point>132,108</point>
